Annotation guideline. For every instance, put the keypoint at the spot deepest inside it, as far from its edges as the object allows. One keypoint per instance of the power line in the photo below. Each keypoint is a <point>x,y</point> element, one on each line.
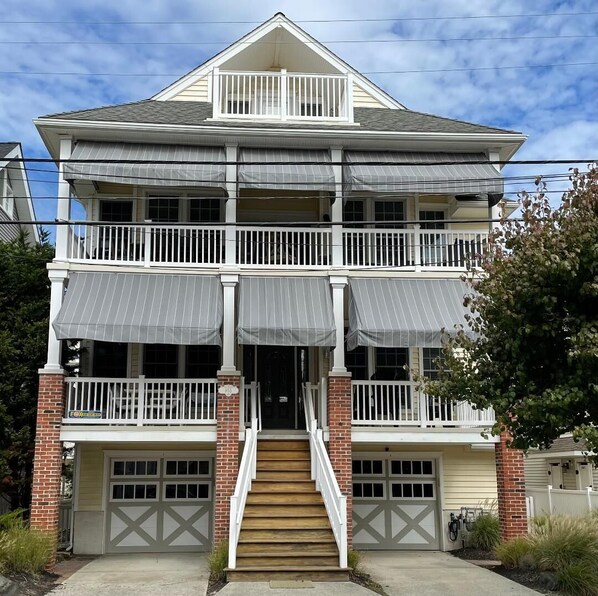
<point>361,20</point>
<point>286,43</point>
<point>372,72</point>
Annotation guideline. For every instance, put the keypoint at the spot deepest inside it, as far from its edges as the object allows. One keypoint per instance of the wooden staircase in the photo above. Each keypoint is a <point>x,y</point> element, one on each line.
<point>285,532</point>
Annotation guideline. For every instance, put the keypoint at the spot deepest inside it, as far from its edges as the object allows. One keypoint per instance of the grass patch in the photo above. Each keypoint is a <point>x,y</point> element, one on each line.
<point>515,553</point>
<point>485,533</point>
<point>218,561</point>
<point>353,559</point>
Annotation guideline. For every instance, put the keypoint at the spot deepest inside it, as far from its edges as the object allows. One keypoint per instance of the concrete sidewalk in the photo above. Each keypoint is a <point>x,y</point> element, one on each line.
<point>436,574</point>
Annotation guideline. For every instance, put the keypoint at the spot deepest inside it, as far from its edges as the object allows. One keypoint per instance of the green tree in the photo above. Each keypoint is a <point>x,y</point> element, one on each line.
<point>24,307</point>
<point>530,346</point>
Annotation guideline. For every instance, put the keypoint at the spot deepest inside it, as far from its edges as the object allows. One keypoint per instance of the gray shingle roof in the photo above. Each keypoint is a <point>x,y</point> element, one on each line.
<point>196,113</point>
<point>6,148</point>
<point>567,444</point>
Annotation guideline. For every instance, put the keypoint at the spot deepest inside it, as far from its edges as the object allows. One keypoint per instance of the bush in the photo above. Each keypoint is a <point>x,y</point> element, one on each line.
<point>515,553</point>
<point>580,579</point>
<point>23,550</point>
<point>485,533</point>
<point>353,559</point>
<point>218,561</point>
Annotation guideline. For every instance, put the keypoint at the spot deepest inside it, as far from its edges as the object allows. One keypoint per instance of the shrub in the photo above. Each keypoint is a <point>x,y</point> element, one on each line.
<point>218,561</point>
<point>485,533</point>
<point>515,553</point>
<point>353,559</point>
<point>580,579</point>
<point>23,550</point>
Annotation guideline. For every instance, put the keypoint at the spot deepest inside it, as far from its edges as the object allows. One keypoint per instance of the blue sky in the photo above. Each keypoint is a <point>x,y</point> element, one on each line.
<point>555,107</point>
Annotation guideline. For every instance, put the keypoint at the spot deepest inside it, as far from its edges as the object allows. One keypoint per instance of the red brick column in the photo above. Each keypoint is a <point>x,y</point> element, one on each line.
<point>510,480</point>
<point>339,445</point>
<point>47,461</point>
<point>227,451</point>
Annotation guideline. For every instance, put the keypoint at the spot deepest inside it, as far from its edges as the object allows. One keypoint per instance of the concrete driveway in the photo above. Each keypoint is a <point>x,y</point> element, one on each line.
<point>436,574</point>
<point>176,574</point>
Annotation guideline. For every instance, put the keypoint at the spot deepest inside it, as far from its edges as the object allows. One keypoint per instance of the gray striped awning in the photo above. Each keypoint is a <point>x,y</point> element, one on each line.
<point>427,175</point>
<point>161,172</point>
<point>403,313</point>
<point>142,308</point>
<point>300,169</point>
<point>285,311</point>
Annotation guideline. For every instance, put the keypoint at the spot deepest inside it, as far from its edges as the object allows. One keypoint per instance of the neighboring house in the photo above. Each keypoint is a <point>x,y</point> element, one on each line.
<point>564,466</point>
<point>196,301</point>
<point>15,198</point>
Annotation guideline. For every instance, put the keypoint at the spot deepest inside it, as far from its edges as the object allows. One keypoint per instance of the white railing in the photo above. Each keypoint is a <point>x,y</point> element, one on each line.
<point>247,473</point>
<point>413,248</point>
<point>140,401</point>
<point>281,96</point>
<point>560,501</point>
<point>283,247</point>
<point>147,245</point>
<point>399,403</point>
<point>325,479</point>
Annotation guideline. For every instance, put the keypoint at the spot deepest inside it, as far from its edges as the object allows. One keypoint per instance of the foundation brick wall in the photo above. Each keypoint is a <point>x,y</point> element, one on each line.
<point>510,480</point>
<point>227,455</point>
<point>47,462</point>
<point>339,445</point>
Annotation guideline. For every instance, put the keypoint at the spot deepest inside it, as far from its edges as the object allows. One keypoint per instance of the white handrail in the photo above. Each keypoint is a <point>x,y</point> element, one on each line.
<point>326,483</point>
<point>247,473</point>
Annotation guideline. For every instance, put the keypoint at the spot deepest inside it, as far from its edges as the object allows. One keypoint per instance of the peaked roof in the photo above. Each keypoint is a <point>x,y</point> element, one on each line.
<point>197,113</point>
<point>6,148</point>
<point>278,20</point>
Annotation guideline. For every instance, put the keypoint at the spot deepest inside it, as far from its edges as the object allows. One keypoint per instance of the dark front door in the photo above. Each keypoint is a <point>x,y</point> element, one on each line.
<point>277,377</point>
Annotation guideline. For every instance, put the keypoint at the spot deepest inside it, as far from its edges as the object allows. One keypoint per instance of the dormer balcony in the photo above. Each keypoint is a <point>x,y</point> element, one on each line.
<point>282,96</point>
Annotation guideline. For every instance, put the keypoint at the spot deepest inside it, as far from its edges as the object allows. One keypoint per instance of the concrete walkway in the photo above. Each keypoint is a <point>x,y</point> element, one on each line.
<point>436,574</point>
<point>176,574</point>
<point>399,573</point>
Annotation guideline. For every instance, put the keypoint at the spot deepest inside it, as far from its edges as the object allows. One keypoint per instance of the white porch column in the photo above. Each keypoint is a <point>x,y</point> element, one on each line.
<point>494,213</point>
<point>230,216</point>
<point>57,278</point>
<point>336,215</point>
<point>229,282</point>
<point>63,211</point>
<point>338,283</point>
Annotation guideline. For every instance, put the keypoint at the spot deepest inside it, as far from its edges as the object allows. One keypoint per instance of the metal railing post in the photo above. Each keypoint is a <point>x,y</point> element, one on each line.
<point>141,400</point>
<point>147,243</point>
<point>283,94</point>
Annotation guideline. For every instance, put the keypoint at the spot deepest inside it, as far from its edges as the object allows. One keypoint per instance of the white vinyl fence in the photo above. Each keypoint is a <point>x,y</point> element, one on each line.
<point>565,502</point>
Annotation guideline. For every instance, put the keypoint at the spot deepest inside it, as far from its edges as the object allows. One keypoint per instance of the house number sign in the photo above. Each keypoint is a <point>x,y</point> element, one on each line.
<point>228,390</point>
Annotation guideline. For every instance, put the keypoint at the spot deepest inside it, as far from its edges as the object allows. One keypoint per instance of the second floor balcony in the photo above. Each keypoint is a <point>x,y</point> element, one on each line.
<point>191,245</point>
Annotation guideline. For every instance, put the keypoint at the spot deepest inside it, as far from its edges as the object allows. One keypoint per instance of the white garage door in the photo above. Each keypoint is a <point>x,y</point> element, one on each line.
<point>395,504</point>
<point>159,505</point>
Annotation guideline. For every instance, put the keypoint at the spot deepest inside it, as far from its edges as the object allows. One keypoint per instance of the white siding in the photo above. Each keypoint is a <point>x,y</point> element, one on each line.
<point>536,475</point>
<point>197,91</point>
<point>362,99</point>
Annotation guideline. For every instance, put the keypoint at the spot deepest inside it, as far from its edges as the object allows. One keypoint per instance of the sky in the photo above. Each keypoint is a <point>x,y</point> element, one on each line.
<point>99,39</point>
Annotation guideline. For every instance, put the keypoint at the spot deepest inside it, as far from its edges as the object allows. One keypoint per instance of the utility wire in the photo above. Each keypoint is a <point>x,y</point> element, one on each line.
<point>372,72</point>
<point>360,20</point>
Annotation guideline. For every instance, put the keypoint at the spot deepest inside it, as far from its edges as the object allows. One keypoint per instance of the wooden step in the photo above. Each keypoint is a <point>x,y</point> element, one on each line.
<point>297,548</point>
<point>266,559</point>
<point>270,510</point>
<point>284,475</point>
<point>300,445</point>
<point>295,464</point>
<point>279,523</point>
<point>285,498</point>
<point>263,574</point>
<point>283,455</point>
<point>287,535</point>
<point>282,486</point>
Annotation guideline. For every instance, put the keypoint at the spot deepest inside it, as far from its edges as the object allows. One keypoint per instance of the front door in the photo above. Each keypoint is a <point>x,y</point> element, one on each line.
<point>276,373</point>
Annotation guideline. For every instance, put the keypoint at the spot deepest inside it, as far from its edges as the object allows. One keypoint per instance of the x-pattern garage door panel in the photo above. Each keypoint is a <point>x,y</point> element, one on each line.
<point>395,504</point>
<point>159,505</point>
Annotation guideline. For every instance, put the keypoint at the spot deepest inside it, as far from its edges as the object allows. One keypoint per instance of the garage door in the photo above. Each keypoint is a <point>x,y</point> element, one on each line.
<point>159,505</point>
<point>395,504</point>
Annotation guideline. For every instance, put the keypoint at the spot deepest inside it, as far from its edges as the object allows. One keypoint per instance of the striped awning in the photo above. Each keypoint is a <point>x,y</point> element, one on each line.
<point>421,173</point>
<point>297,169</point>
<point>142,308</point>
<point>285,311</point>
<point>170,165</point>
<point>403,313</point>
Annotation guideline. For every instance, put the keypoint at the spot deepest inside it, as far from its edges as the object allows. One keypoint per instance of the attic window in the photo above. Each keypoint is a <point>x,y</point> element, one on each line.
<point>238,106</point>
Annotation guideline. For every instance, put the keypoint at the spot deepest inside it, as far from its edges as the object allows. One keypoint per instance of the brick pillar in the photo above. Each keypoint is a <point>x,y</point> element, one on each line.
<point>227,451</point>
<point>339,445</point>
<point>47,461</point>
<point>510,481</point>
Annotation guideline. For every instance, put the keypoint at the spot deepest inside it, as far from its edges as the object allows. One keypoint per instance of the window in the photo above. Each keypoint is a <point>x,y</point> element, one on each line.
<point>163,209</point>
<point>356,362</point>
<point>311,109</point>
<point>390,363</point>
<point>205,210</point>
<point>160,361</point>
<point>427,220</point>
<point>116,211</point>
<point>130,491</point>
<point>110,359</point>
<point>368,490</point>
<point>121,467</point>
<point>368,467</point>
<point>389,211</point>
<point>412,490</point>
<point>354,211</point>
<point>407,467</point>
<point>184,491</point>
<point>187,467</point>
<point>430,356</point>
<point>202,362</point>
